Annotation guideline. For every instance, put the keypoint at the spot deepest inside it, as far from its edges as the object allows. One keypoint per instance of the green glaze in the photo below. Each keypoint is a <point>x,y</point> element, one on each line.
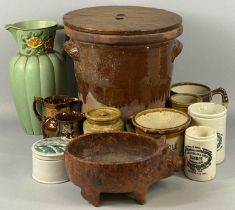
<point>37,70</point>
<point>50,146</point>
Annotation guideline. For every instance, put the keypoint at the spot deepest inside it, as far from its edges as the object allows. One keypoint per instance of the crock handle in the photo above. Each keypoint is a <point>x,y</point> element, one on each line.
<point>223,94</point>
<point>129,125</point>
<point>72,50</point>
<point>35,101</point>
<point>177,48</point>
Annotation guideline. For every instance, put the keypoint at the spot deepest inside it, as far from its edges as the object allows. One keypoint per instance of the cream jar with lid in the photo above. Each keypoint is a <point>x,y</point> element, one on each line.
<point>48,160</point>
<point>213,115</point>
<point>103,119</point>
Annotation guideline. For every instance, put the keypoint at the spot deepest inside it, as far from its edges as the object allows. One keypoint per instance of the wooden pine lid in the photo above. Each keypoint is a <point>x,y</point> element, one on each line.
<point>122,20</point>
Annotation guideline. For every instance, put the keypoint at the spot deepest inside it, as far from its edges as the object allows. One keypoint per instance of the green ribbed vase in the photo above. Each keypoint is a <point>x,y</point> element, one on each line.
<point>37,70</point>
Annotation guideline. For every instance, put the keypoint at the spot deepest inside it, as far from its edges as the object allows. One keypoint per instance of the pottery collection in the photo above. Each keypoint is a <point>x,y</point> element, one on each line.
<point>132,127</point>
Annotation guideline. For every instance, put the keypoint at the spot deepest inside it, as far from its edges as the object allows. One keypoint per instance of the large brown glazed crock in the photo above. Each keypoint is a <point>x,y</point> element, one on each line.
<point>118,162</point>
<point>123,55</point>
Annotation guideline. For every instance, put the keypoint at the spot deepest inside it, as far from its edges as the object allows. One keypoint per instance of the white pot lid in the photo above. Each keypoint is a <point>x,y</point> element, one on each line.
<point>207,110</point>
<point>50,148</point>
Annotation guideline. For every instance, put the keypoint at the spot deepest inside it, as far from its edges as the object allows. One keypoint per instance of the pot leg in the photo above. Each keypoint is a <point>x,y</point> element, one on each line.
<point>92,196</point>
<point>140,196</point>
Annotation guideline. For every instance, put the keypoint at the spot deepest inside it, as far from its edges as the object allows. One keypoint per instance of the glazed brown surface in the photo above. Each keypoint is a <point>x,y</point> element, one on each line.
<point>123,65</point>
<point>51,106</point>
<point>118,162</point>
<point>121,20</point>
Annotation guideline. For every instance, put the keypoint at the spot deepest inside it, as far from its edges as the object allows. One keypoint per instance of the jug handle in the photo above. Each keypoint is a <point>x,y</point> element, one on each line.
<point>72,50</point>
<point>223,94</point>
<point>177,48</point>
<point>59,26</point>
<point>129,125</point>
<point>35,101</point>
<point>75,102</point>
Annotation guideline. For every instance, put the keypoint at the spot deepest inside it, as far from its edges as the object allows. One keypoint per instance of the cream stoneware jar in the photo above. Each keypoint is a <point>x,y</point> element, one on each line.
<point>48,160</point>
<point>213,115</point>
<point>163,121</point>
<point>200,151</point>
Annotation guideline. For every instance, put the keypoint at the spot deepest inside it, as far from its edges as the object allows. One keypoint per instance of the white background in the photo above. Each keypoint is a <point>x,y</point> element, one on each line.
<point>208,57</point>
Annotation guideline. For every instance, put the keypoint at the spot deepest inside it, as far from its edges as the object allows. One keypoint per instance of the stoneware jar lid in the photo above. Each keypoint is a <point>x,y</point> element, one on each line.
<point>207,110</point>
<point>50,148</point>
<point>128,21</point>
<point>103,114</point>
<point>161,121</point>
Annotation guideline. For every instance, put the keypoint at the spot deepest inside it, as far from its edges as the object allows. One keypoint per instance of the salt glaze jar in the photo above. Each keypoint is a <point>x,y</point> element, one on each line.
<point>103,119</point>
<point>123,55</point>
<point>51,106</point>
<point>37,70</point>
<point>163,121</point>
<point>48,164</point>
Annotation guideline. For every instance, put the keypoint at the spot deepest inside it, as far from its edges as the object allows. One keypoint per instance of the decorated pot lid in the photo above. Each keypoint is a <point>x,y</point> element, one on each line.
<point>50,148</point>
<point>103,114</point>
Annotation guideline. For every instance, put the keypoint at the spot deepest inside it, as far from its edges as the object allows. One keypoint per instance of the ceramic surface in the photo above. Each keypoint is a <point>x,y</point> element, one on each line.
<point>163,121</point>
<point>36,65</point>
<point>103,119</point>
<point>213,115</point>
<point>201,90</point>
<point>200,151</point>
<point>130,58</point>
<point>68,125</point>
<point>51,106</point>
<point>181,101</point>
<point>119,162</point>
<point>48,160</point>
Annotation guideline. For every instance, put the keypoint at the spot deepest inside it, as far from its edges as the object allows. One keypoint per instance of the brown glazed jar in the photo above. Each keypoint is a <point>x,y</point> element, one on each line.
<point>103,119</point>
<point>123,55</point>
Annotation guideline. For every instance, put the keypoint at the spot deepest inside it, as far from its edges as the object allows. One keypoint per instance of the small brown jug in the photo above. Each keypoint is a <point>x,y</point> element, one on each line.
<point>69,124</point>
<point>51,106</point>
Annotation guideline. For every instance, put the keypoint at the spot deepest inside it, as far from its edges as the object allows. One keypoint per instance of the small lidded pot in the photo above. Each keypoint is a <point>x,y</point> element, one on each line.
<point>103,119</point>
<point>181,101</point>
<point>163,121</point>
<point>48,160</point>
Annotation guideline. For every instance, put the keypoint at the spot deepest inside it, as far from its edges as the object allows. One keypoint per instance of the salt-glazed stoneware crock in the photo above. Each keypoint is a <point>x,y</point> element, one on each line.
<point>123,55</point>
<point>103,119</point>
<point>119,162</point>
<point>163,121</point>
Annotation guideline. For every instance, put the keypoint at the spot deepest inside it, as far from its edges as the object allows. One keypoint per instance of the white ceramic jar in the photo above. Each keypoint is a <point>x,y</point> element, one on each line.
<point>48,160</point>
<point>200,151</point>
<point>213,115</point>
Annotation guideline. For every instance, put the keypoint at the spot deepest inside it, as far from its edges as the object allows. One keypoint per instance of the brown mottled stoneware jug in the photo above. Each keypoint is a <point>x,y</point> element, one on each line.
<point>123,55</point>
<point>51,106</point>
